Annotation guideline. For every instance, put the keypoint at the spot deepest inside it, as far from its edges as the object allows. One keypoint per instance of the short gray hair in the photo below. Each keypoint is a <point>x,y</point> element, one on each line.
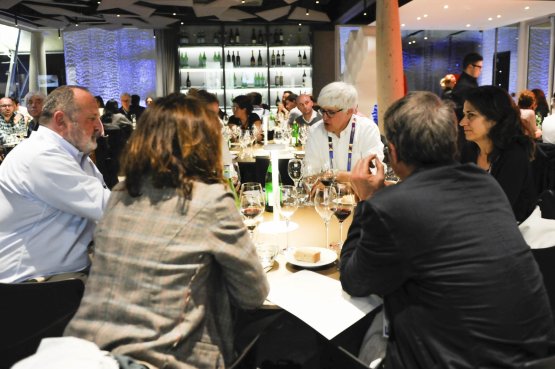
<point>339,94</point>
<point>423,129</point>
<point>31,94</point>
<point>61,99</point>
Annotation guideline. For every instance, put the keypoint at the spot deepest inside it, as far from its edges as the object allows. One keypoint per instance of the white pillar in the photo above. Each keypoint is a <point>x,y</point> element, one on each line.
<point>37,62</point>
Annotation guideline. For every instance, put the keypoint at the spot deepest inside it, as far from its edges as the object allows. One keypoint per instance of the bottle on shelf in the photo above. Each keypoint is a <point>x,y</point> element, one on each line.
<point>281,79</point>
<point>304,78</point>
<point>273,58</point>
<point>237,36</point>
<point>228,175</point>
<point>233,58</point>
<point>253,37</point>
<point>278,60</point>
<point>231,39</point>
<point>300,61</point>
<point>216,38</point>
<point>238,60</point>
<point>283,58</point>
<point>259,59</point>
<point>200,60</point>
<point>277,99</point>
<point>253,61</point>
<point>281,36</point>
<point>276,36</point>
<point>305,59</point>
<point>188,81</point>
<point>184,39</point>
<point>260,37</point>
<point>234,80</point>
<point>203,60</point>
<point>276,79</point>
<point>228,57</point>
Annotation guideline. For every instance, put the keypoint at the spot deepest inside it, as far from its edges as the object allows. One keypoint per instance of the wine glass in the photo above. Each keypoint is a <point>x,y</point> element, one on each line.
<point>302,193</point>
<point>303,134</point>
<point>295,170</point>
<point>323,203</point>
<point>253,188</point>
<point>251,209</point>
<point>288,205</point>
<point>328,174</point>
<point>343,205</point>
<point>278,135</point>
<point>310,176</point>
<point>390,175</point>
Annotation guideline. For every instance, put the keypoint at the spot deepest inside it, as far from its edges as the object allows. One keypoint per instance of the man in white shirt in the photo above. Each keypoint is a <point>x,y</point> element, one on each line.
<point>51,193</point>
<point>341,138</point>
<point>548,129</point>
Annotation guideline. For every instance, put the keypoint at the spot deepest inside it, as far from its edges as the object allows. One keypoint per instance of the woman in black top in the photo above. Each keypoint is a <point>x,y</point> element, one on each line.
<point>244,117</point>
<point>498,144</point>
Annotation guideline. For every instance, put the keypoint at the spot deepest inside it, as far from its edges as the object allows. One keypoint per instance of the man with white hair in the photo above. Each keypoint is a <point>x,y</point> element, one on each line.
<point>341,138</point>
<point>34,102</point>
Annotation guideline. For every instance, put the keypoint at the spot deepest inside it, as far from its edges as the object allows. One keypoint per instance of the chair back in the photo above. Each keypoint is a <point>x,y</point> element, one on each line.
<point>30,312</point>
<point>545,363</point>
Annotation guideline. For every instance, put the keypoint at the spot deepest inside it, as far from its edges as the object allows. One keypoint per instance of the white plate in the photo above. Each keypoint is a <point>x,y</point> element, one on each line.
<point>234,152</point>
<point>327,256</point>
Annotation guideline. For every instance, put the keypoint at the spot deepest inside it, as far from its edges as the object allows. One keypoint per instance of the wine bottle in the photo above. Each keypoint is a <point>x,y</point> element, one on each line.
<point>253,61</point>
<point>259,59</point>
<point>238,60</point>
<point>276,36</point>
<point>304,78</point>
<point>200,60</point>
<point>228,57</point>
<point>228,175</point>
<point>273,59</point>
<point>305,60</point>
<point>277,99</point>
<point>280,36</point>
<point>253,37</point>
<point>278,60</point>
<point>184,40</point>
<point>260,37</point>
<point>269,190</point>
<point>281,79</point>
<point>237,36</point>
<point>231,37</point>
<point>283,57</point>
<point>276,79</point>
<point>188,82</point>
<point>300,61</point>
<point>233,57</point>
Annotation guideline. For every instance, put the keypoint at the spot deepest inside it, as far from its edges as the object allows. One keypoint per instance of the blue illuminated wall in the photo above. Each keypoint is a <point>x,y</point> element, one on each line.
<point>507,40</point>
<point>111,62</point>
<point>538,58</point>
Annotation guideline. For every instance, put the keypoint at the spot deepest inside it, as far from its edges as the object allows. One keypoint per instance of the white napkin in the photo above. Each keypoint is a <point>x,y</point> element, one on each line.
<point>538,232</point>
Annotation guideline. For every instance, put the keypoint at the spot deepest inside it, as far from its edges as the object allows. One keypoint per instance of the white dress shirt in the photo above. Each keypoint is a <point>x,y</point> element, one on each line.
<point>548,129</point>
<point>51,196</point>
<point>366,141</point>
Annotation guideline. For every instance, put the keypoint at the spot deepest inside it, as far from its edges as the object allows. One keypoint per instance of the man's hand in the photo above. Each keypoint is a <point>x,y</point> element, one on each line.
<point>363,181</point>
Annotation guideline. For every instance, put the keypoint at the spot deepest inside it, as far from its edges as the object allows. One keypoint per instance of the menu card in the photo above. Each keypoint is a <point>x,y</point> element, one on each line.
<point>320,302</point>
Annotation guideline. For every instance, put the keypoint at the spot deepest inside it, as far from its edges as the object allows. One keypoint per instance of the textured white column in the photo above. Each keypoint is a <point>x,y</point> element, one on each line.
<point>37,62</point>
<point>389,56</point>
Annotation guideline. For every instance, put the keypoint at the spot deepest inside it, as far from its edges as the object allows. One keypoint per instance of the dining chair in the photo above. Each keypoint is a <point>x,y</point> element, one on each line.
<point>247,358</point>
<point>30,312</point>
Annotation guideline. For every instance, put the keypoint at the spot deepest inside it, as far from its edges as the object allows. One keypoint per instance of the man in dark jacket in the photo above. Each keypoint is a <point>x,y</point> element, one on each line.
<point>460,286</point>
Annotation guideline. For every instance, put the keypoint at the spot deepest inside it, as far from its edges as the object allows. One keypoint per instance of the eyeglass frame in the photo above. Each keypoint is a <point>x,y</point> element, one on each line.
<point>329,113</point>
<point>477,66</point>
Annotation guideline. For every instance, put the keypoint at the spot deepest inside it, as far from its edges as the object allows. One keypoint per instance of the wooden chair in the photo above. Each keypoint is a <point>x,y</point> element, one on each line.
<point>30,312</point>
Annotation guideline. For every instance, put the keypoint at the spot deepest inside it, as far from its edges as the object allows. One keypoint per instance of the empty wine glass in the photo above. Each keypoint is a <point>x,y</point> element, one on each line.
<point>303,134</point>
<point>278,135</point>
<point>295,170</point>
<point>343,205</point>
<point>288,203</point>
<point>323,203</point>
<point>251,209</point>
<point>302,193</point>
<point>310,176</point>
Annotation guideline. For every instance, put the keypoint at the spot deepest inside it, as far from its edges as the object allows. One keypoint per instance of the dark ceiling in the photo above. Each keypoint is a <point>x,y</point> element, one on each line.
<point>167,13</point>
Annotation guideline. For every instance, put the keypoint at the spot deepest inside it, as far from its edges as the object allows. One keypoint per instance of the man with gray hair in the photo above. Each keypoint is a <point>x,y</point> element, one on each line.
<point>51,193</point>
<point>460,285</point>
<point>34,101</point>
<point>341,137</point>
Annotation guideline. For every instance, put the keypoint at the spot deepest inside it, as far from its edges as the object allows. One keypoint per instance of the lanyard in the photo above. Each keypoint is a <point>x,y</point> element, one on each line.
<point>350,152</point>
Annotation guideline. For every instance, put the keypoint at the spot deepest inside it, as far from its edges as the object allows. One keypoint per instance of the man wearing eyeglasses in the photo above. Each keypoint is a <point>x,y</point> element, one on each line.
<point>472,68</point>
<point>342,137</point>
<point>10,120</point>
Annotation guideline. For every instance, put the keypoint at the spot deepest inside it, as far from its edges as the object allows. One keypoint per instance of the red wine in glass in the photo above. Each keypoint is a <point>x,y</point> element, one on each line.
<point>251,213</point>
<point>342,213</point>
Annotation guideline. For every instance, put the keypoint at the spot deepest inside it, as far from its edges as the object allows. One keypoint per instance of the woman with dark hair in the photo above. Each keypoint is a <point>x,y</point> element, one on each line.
<point>112,115</point>
<point>499,145</point>
<point>243,115</point>
<point>542,107</point>
<point>172,256</point>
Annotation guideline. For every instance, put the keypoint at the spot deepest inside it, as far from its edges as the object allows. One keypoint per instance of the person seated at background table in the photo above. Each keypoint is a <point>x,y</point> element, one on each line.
<point>258,107</point>
<point>34,100</point>
<point>542,107</point>
<point>51,193</point>
<point>281,110</point>
<point>341,137</point>
<point>136,107</point>
<point>499,145</point>
<point>112,115</point>
<point>527,105</point>
<point>293,111</point>
<point>163,284</point>
<point>460,285</point>
<point>309,116</point>
<point>125,109</point>
<point>548,129</point>
<point>244,117</point>
<point>149,100</point>
<point>100,104</point>
<point>10,120</point>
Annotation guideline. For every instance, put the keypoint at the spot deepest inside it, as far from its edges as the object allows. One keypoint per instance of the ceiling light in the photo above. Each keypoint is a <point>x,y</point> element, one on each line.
<point>425,37</point>
<point>526,7</point>
<point>117,15</point>
<point>59,33</point>
<point>317,1</point>
<point>365,14</point>
<point>300,24</point>
<point>98,2</point>
<point>153,33</point>
<point>182,23</point>
<point>307,12</point>
<point>418,18</point>
<point>174,14</point>
<point>242,1</point>
<point>468,25</point>
<point>425,15</point>
<point>445,6</point>
<point>402,24</point>
<point>490,18</point>
<point>498,15</point>
<point>76,24</point>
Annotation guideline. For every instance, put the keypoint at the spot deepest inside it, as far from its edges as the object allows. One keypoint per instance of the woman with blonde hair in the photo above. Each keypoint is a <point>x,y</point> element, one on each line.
<point>172,256</point>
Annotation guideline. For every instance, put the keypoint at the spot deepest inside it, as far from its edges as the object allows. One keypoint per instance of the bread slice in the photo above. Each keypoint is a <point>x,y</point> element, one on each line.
<point>307,255</point>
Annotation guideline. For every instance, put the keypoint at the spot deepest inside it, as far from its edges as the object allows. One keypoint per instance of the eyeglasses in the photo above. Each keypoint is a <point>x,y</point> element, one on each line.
<point>329,113</point>
<point>6,106</point>
<point>477,66</point>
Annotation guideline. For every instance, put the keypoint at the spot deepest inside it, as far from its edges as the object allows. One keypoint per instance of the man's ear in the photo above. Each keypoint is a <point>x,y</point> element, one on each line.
<point>393,157</point>
<point>59,121</point>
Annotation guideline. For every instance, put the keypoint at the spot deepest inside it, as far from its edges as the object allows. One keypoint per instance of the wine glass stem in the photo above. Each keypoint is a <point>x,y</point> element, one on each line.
<point>341,232</point>
<point>327,234</point>
<point>286,234</point>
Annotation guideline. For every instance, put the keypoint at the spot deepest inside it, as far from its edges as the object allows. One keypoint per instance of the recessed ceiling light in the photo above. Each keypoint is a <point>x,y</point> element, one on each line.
<point>174,13</point>
<point>425,15</point>
<point>418,18</point>
<point>498,15</point>
<point>468,25</point>
<point>365,14</point>
<point>317,1</point>
<point>182,23</point>
<point>526,7</point>
<point>445,6</point>
<point>300,24</point>
<point>425,37</point>
<point>402,24</point>
<point>117,15</point>
<point>490,18</point>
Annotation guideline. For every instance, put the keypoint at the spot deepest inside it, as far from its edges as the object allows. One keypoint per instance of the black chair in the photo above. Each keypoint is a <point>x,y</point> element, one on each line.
<point>543,167</point>
<point>30,312</point>
<point>545,363</point>
<point>247,358</point>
